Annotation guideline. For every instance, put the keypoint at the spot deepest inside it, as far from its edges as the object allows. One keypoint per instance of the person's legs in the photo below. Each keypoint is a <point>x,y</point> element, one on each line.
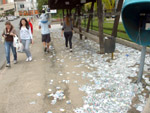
<point>66,39</point>
<point>70,39</point>
<point>48,40</point>
<point>44,42</point>
<point>14,52</point>
<point>7,51</point>
<point>26,44</point>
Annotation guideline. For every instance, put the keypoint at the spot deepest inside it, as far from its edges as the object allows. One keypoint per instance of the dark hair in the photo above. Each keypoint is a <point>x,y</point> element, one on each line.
<point>9,23</point>
<point>27,24</point>
<point>43,11</point>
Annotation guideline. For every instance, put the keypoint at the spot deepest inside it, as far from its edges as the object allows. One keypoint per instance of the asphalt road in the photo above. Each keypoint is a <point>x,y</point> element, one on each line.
<point>2,51</point>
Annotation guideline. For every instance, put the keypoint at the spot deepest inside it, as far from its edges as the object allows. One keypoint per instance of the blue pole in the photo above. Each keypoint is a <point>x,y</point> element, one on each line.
<point>142,64</point>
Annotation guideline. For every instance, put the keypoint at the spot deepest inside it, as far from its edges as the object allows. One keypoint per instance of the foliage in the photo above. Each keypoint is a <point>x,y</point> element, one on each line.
<point>108,5</point>
<point>41,3</point>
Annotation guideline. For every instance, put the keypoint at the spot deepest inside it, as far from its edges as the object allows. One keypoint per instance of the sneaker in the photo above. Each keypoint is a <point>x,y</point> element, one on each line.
<point>45,49</point>
<point>30,59</point>
<point>15,61</point>
<point>7,65</point>
<point>27,59</point>
<point>70,50</point>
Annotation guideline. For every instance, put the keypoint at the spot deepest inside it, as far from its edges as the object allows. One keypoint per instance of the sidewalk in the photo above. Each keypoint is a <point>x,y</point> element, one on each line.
<point>21,83</point>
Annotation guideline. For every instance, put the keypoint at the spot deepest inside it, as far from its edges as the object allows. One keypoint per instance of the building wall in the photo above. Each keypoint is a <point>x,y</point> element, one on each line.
<point>26,7</point>
<point>18,6</point>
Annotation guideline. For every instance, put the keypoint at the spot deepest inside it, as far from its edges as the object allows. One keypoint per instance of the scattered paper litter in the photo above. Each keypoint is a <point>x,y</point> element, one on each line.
<point>68,101</point>
<point>39,94</point>
<point>139,108</point>
<point>62,110</point>
<point>49,90</point>
<point>32,103</point>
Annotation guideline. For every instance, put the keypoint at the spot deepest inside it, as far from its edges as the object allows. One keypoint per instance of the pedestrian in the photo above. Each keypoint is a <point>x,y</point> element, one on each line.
<point>67,30</point>
<point>26,37</point>
<point>8,34</point>
<point>31,26</point>
<point>45,26</point>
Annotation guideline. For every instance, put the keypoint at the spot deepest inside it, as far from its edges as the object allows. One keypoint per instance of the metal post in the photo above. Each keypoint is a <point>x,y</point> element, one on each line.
<point>142,64</point>
<point>33,10</point>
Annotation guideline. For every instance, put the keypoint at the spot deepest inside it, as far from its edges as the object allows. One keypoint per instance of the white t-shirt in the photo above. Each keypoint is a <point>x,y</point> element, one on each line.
<point>44,28</point>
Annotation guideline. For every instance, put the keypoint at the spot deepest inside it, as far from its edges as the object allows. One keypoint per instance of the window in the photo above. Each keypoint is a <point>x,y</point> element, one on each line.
<point>21,5</point>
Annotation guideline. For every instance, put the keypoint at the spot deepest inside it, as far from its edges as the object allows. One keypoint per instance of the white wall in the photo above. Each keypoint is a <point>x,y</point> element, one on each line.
<point>27,5</point>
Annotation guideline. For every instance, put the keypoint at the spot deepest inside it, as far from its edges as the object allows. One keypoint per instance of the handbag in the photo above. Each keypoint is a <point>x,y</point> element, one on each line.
<point>3,40</point>
<point>17,44</point>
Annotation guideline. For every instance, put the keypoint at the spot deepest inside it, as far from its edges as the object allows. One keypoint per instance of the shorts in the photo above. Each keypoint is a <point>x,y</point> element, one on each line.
<point>46,38</point>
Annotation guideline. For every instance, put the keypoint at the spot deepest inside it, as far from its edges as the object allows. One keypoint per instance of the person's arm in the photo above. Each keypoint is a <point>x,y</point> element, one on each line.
<point>72,26</point>
<point>63,29</point>
<point>31,28</point>
<point>39,25</point>
<point>30,33</point>
<point>3,34</point>
<point>49,25</point>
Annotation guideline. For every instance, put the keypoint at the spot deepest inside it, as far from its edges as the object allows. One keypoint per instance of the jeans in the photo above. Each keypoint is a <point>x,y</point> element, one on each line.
<point>26,44</point>
<point>68,38</point>
<point>9,45</point>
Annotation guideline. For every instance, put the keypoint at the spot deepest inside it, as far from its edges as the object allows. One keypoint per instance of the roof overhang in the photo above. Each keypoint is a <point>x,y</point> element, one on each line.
<point>66,4</point>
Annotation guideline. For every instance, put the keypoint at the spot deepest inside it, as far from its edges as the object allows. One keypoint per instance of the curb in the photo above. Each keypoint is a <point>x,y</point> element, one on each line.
<point>94,36</point>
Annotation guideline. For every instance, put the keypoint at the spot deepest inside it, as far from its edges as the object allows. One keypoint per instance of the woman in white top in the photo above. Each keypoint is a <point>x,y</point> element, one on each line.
<point>26,37</point>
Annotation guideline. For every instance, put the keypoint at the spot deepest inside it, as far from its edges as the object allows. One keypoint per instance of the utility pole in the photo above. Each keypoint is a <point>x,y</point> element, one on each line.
<point>33,10</point>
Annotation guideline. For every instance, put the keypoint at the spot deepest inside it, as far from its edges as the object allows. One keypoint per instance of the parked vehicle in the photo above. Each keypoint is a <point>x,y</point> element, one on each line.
<point>2,19</point>
<point>10,18</point>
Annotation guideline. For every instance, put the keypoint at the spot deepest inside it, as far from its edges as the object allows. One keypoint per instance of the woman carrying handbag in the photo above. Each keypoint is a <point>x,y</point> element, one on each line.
<point>8,33</point>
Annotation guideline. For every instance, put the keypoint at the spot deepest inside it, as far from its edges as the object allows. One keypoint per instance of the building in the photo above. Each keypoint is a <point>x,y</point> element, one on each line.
<point>26,7</point>
<point>6,6</point>
<point>19,7</point>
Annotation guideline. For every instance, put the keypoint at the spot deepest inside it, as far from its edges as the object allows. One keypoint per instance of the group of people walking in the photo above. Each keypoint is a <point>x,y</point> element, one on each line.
<point>26,36</point>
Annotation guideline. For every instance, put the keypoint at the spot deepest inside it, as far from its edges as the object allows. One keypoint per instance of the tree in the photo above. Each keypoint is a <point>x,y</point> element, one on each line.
<point>117,18</point>
<point>100,24</point>
<point>41,3</point>
<point>109,5</point>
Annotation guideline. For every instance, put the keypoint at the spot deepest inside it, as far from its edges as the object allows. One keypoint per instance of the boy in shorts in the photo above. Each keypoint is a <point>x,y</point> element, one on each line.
<point>46,39</point>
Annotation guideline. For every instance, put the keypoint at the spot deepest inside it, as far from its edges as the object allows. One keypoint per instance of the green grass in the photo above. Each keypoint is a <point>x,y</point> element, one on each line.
<point>109,24</point>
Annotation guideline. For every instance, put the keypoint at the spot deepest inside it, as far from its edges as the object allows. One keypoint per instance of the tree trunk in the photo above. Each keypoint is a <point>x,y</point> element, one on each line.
<point>117,18</point>
<point>74,17</point>
<point>63,14</point>
<point>90,18</point>
<point>79,22</point>
<point>100,24</point>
